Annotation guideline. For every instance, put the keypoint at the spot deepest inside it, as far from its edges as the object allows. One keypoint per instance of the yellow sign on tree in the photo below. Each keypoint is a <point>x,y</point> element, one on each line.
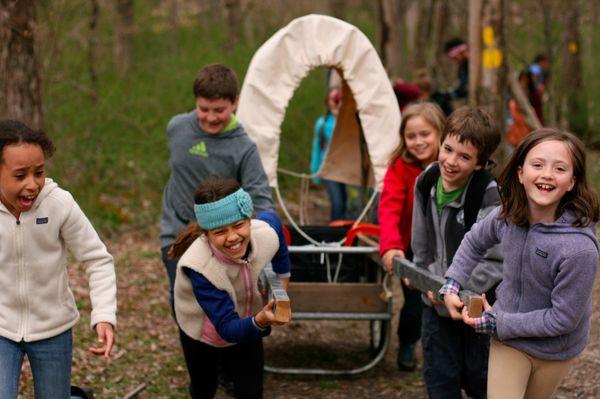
<point>491,56</point>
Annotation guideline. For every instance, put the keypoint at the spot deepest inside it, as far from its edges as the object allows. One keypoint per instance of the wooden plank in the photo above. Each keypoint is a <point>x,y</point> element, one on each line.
<point>282,309</point>
<point>337,297</point>
<point>475,306</point>
<point>423,280</point>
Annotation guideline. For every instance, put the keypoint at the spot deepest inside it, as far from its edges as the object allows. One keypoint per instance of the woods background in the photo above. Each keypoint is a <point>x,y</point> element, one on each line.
<point>103,77</point>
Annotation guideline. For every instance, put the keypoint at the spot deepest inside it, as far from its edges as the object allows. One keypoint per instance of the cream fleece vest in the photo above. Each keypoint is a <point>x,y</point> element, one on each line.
<point>199,257</point>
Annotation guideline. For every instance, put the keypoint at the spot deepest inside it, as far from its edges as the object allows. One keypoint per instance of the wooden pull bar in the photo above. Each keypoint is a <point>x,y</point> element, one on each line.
<point>475,306</point>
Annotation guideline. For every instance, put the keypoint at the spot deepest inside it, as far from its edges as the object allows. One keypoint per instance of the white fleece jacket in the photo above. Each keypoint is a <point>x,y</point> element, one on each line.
<point>198,257</point>
<point>35,299</point>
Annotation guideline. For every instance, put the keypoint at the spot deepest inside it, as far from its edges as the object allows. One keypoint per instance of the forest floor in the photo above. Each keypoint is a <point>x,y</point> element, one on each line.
<point>148,356</point>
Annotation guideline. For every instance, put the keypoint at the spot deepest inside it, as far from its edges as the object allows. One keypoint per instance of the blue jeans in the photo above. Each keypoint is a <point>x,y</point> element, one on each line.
<point>454,357</point>
<point>50,361</point>
<point>338,199</point>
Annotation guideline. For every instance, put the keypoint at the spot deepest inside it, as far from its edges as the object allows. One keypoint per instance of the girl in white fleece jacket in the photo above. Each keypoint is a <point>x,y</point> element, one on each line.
<point>39,222</point>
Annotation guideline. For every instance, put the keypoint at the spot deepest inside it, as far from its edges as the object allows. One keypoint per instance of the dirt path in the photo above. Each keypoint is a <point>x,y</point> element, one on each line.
<point>148,349</point>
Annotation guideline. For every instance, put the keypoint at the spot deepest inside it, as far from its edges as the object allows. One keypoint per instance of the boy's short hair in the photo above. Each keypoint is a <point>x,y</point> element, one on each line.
<point>216,81</point>
<point>476,126</point>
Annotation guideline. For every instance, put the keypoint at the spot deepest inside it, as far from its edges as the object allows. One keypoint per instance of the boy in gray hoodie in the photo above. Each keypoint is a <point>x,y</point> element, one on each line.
<point>450,196</point>
<point>205,142</point>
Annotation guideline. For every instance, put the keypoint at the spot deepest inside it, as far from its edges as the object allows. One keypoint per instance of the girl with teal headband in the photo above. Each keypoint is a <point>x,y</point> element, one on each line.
<point>217,303</point>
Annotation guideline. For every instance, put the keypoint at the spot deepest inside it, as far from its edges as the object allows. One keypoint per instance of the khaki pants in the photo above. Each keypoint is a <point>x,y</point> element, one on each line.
<point>513,374</point>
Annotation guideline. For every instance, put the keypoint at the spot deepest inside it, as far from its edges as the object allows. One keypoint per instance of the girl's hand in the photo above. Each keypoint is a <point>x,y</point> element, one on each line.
<point>388,259</point>
<point>266,317</point>
<point>470,320</point>
<point>106,337</point>
<point>454,306</point>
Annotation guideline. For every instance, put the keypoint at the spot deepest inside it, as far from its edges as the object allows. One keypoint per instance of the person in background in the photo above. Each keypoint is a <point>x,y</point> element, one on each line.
<point>430,93</point>
<point>406,93</point>
<point>518,127</point>
<point>540,68</point>
<point>458,51</point>
<point>324,128</point>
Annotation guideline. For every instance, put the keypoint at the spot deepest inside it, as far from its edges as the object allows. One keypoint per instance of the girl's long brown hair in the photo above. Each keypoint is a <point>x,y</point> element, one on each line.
<point>431,113</point>
<point>210,190</point>
<point>581,200</point>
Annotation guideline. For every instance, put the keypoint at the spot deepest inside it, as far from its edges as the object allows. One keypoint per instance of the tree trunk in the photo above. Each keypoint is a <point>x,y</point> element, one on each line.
<point>19,78</point>
<point>124,37</point>
<point>233,11</point>
<point>412,18</point>
<point>391,36</point>
<point>92,43</point>
<point>441,67</point>
<point>475,9</point>
<point>421,46</point>
<point>572,73</point>
<point>550,83</point>
<point>174,25</point>
<point>491,86</point>
<point>337,8</point>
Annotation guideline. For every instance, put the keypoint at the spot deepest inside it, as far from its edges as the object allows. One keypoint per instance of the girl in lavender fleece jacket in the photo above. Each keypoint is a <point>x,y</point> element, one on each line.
<point>546,226</point>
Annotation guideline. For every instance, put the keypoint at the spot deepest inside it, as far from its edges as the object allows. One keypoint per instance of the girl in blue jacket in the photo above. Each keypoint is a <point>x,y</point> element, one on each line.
<point>217,303</point>
<point>324,128</point>
<point>541,318</point>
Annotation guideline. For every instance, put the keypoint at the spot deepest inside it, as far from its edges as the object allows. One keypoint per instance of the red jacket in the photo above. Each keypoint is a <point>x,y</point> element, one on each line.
<point>395,205</point>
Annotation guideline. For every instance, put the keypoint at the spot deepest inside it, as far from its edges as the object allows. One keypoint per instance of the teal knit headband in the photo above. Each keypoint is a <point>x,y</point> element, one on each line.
<point>234,207</point>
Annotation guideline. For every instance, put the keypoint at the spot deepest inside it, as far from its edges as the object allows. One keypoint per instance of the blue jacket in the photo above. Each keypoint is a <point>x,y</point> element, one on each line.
<point>324,128</point>
<point>544,302</point>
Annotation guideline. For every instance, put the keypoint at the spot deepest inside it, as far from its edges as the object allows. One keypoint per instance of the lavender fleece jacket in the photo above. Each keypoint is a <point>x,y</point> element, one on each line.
<point>544,303</point>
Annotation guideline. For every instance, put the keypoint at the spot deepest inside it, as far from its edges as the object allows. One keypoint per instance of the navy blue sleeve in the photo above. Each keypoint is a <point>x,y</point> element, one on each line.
<point>281,261</point>
<point>219,308</point>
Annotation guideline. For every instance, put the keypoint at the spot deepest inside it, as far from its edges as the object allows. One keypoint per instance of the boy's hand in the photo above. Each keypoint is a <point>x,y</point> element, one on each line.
<point>388,259</point>
<point>106,337</point>
<point>406,282</point>
<point>454,306</point>
<point>433,299</point>
<point>266,317</point>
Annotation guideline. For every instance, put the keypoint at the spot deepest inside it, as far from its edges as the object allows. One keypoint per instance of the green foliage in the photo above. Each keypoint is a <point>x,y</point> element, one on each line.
<point>112,154</point>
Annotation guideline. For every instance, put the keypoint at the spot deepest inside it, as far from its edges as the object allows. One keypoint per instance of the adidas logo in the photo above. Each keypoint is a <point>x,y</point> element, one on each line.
<point>199,149</point>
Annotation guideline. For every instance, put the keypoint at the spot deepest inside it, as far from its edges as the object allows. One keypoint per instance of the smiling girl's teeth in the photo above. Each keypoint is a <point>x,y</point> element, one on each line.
<point>545,187</point>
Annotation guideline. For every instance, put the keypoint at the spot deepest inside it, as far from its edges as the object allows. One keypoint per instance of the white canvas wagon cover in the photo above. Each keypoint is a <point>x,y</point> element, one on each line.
<point>279,66</point>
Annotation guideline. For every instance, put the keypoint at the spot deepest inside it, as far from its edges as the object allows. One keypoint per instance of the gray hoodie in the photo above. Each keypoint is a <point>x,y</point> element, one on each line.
<point>195,155</point>
<point>430,237</point>
<point>544,303</point>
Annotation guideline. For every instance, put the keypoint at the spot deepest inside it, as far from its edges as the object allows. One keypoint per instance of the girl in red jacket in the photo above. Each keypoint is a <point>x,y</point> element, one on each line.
<point>419,144</point>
